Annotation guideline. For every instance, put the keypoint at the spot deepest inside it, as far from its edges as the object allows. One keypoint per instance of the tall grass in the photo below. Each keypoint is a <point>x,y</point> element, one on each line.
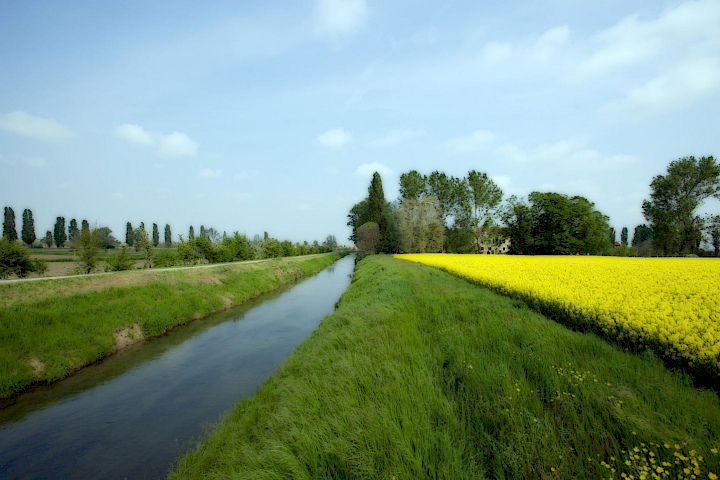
<point>419,374</point>
<point>47,339</point>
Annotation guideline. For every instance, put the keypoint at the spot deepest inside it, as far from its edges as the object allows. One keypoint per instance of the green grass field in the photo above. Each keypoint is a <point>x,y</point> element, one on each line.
<point>419,374</point>
<point>50,328</point>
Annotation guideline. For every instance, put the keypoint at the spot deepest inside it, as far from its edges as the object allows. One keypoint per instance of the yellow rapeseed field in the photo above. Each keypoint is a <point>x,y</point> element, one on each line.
<point>671,305</point>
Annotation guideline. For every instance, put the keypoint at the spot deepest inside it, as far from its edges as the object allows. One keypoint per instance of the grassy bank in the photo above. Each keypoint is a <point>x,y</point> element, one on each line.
<point>419,374</point>
<point>50,328</point>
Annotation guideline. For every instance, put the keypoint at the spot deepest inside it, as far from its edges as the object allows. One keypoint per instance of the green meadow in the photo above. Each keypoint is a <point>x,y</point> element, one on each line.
<point>50,328</point>
<point>420,374</point>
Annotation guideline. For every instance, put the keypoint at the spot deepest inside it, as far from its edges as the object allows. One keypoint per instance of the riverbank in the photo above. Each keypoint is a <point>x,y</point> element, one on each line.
<point>49,329</point>
<point>419,374</point>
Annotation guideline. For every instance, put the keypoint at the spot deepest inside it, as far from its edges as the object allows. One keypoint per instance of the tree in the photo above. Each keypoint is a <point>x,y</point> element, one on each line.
<point>376,200</point>
<point>421,229</point>
<point>359,215</point>
<point>612,235</point>
<point>48,240</point>
<point>129,235</point>
<point>191,234</point>
<point>330,242</point>
<point>555,224</point>
<point>674,200</point>
<point>486,196</point>
<point>168,235</point>
<point>144,245</point>
<point>15,260</point>
<point>440,187</point>
<point>59,233</point>
<point>412,185</point>
<point>156,235</point>
<point>85,225</point>
<point>368,238</point>
<point>73,231</point>
<point>88,251</point>
<point>105,239</point>
<point>28,227</point>
<point>9,230</point>
<point>641,234</point>
<point>714,231</point>
<point>624,236</point>
<point>203,233</point>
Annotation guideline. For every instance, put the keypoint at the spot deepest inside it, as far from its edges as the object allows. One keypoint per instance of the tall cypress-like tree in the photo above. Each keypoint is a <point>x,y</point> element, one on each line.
<point>73,231</point>
<point>376,199</point>
<point>9,230</point>
<point>191,234</point>
<point>59,233</point>
<point>28,227</point>
<point>624,236</point>
<point>156,235</point>
<point>168,235</point>
<point>129,235</point>
<point>48,239</point>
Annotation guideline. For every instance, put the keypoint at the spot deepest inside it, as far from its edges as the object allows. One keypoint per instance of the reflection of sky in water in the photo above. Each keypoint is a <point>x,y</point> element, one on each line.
<point>134,424</point>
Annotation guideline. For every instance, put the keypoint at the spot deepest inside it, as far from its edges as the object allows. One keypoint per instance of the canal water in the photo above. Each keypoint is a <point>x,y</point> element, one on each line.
<point>131,415</point>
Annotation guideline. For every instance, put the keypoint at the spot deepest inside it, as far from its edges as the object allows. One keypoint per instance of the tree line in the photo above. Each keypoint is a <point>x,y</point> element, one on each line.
<point>208,246</point>
<point>443,213</point>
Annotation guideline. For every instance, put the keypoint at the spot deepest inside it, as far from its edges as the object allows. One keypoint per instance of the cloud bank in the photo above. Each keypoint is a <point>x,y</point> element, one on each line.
<point>26,125</point>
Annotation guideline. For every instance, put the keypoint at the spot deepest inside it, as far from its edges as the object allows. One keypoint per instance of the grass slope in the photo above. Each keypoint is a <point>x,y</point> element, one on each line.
<point>49,329</point>
<point>419,374</point>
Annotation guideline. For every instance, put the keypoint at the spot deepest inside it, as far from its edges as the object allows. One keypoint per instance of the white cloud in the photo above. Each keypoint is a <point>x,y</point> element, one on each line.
<point>36,162</point>
<point>174,144</point>
<point>335,138</point>
<point>683,85</point>
<point>368,169</point>
<point>244,176</point>
<point>549,43</point>
<point>26,125</point>
<point>471,143</point>
<point>494,52</point>
<point>395,137</point>
<point>208,173</point>
<point>690,26</point>
<point>135,134</point>
<point>340,16</point>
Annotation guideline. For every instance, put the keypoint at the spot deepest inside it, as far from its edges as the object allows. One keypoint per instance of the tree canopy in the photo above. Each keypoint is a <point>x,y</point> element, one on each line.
<point>674,201</point>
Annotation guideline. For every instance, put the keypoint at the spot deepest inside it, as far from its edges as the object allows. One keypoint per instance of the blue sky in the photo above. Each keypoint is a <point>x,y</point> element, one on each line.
<point>272,116</point>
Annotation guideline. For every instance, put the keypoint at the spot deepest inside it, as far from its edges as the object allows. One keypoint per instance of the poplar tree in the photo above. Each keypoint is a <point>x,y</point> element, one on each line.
<point>73,231</point>
<point>191,234</point>
<point>129,235</point>
<point>48,239</point>
<point>9,230</point>
<point>624,236</point>
<point>156,235</point>
<point>168,235</point>
<point>59,234</point>
<point>28,227</point>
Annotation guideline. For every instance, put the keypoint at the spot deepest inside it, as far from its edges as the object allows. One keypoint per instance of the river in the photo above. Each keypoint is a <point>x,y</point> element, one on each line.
<point>131,415</point>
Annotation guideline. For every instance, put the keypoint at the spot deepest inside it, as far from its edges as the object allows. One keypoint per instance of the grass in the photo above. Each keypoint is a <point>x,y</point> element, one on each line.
<point>50,328</point>
<point>419,374</point>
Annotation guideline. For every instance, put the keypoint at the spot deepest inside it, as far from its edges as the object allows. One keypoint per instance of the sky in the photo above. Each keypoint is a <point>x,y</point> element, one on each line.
<point>272,116</point>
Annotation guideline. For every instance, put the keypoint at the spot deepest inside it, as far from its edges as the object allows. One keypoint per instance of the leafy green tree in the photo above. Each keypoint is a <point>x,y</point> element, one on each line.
<point>624,236</point>
<point>129,235</point>
<point>555,224</point>
<point>674,200</point>
<point>168,235</point>
<point>73,231</point>
<point>105,238</point>
<point>59,233</point>
<point>28,227</point>
<point>120,261</point>
<point>15,260</point>
<point>368,239</point>
<point>486,197</point>
<point>239,247</point>
<point>359,215</point>
<point>330,243</point>
<point>48,240</point>
<point>156,235</point>
<point>89,249</point>
<point>612,236</point>
<point>191,234</point>
<point>203,233</point>
<point>9,230</point>
<point>144,245</point>
<point>413,185</point>
<point>85,225</point>
<point>440,186</point>
<point>421,229</point>
<point>641,234</point>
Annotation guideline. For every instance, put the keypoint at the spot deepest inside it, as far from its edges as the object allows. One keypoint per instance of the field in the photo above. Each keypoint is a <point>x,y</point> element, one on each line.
<point>669,305</point>
<point>420,374</point>
<point>49,328</point>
